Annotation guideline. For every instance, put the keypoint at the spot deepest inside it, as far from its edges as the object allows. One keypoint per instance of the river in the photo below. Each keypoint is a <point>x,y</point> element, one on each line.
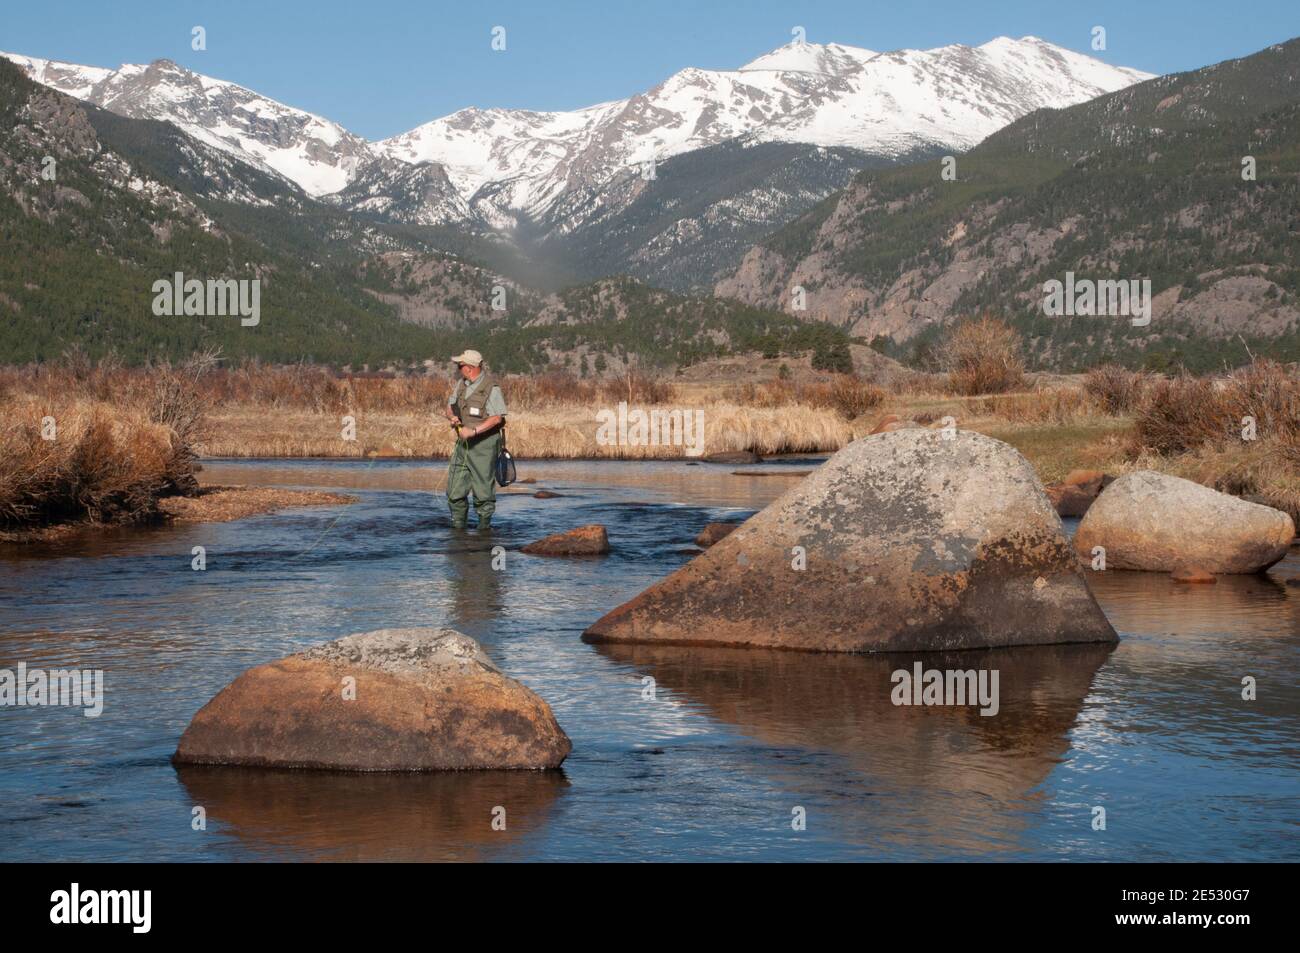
<point>710,761</point>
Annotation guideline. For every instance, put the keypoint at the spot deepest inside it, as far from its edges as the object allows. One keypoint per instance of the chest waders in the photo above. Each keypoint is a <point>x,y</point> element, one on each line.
<point>472,468</point>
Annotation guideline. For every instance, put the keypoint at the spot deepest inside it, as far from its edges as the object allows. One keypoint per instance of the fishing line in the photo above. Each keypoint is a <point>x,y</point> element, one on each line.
<point>446,475</point>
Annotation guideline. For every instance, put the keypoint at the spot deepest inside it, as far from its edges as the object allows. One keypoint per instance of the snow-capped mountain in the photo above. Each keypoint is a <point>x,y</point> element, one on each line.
<point>318,155</point>
<point>883,104</point>
<point>953,96</point>
<point>829,59</point>
<point>826,95</point>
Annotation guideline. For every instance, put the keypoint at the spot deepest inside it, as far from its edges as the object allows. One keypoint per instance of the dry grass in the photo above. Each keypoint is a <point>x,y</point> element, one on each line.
<point>1058,429</point>
<point>222,504</point>
<point>1061,405</point>
<point>311,387</point>
<point>848,396</point>
<point>561,432</point>
<point>1096,443</point>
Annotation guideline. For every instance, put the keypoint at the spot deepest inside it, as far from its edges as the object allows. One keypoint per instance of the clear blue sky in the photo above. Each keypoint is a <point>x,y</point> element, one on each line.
<point>381,67</point>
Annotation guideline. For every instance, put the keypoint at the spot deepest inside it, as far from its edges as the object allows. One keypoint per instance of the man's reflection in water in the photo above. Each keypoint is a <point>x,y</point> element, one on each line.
<point>476,570</point>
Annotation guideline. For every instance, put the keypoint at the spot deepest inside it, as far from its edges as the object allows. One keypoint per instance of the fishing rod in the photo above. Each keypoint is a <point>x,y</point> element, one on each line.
<point>446,474</point>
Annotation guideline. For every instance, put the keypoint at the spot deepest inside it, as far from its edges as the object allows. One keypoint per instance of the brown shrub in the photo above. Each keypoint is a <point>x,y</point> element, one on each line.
<point>1181,414</point>
<point>983,357</point>
<point>1116,390</point>
<point>551,389</point>
<point>103,465</point>
<point>1187,413</point>
<point>1264,391</point>
<point>853,397</point>
<point>846,394</point>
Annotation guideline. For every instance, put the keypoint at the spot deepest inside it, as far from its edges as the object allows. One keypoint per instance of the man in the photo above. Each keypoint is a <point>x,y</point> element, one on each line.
<point>477,411</point>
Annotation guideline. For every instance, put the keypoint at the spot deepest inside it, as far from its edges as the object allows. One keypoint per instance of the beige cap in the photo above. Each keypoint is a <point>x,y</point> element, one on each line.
<point>472,358</point>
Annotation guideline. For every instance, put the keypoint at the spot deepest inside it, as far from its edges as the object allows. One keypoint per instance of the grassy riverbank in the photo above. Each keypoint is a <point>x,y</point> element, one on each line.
<point>123,440</point>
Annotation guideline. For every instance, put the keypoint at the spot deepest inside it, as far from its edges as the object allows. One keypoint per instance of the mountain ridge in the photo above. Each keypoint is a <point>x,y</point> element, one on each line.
<point>506,165</point>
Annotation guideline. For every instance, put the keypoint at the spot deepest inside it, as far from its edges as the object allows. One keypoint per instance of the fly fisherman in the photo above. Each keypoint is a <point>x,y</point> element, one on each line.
<point>477,411</point>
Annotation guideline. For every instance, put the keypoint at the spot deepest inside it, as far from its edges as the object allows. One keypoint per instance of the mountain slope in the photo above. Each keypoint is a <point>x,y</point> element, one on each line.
<point>606,326</point>
<point>573,187</point>
<point>134,201</point>
<point>131,202</point>
<point>703,210</point>
<point>1142,183</point>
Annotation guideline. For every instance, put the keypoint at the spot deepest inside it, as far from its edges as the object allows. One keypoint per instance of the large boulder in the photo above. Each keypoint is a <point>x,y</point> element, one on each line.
<point>1160,523</point>
<point>911,541</point>
<point>391,700</point>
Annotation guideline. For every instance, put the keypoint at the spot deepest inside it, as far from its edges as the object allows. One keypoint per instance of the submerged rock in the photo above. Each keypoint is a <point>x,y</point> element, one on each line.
<point>891,422</point>
<point>883,423</point>
<point>390,700</point>
<point>733,456</point>
<point>584,541</point>
<point>1069,500</point>
<point>1159,523</point>
<point>1073,495</point>
<point>907,541</point>
<point>713,533</point>
<point>1194,575</point>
